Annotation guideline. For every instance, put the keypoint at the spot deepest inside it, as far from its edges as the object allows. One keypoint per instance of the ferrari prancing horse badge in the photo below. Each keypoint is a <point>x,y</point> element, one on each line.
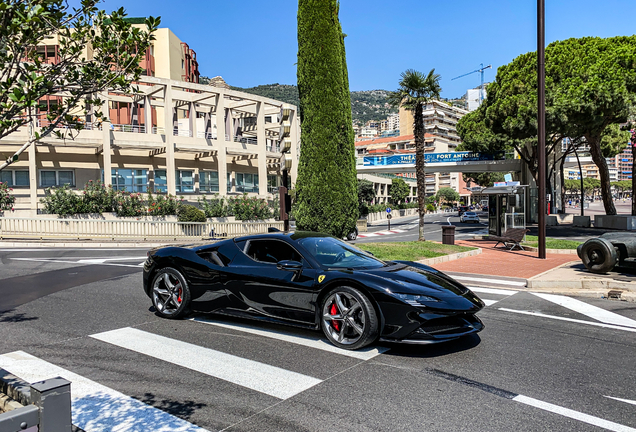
<point>321,278</point>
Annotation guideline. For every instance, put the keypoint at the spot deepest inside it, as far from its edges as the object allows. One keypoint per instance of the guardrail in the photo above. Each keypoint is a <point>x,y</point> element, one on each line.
<point>127,229</point>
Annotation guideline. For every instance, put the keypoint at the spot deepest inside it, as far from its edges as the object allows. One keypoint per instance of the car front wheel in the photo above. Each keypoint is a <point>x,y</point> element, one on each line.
<point>170,293</point>
<point>348,318</point>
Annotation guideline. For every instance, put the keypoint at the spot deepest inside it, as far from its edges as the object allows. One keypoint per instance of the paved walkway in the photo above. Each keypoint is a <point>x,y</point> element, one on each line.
<point>502,262</point>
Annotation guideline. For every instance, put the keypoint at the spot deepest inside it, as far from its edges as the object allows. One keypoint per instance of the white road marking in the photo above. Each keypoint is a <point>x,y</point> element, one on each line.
<point>622,400</point>
<point>594,312</point>
<point>312,342</point>
<point>254,375</point>
<point>585,418</point>
<point>494,281</point>
<point>489,302</point>
<point>95,407</point>
<point>492,290</point>
<point>77,262</point>
<point>538,314</point>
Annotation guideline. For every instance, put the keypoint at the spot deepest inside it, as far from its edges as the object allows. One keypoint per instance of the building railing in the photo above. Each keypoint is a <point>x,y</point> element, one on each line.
<point>245,140</point>
<point>128,128</point>
<point>127,229</point>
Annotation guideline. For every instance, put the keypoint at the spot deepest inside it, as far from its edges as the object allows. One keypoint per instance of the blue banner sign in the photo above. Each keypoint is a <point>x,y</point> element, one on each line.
<point>406,159</point>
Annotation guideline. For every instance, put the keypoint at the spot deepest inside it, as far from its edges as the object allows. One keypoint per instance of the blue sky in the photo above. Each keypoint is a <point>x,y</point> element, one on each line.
<point>253,42</point>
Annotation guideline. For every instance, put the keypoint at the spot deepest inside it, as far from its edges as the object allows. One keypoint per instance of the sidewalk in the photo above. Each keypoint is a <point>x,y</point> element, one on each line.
<point>558,273</point>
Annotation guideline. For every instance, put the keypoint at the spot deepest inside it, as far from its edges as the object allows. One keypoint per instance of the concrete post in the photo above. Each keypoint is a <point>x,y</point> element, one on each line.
<point>221,155</point>
<point>106,143</point>
<point>53,398</point>
<point>33,172</point>
<point>147,114</point>
<point>261,151</point>
<point>169,127</point>
<point>193,119</point>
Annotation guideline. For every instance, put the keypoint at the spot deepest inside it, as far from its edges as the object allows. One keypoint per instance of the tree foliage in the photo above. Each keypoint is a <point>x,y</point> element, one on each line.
<point>326,188</point>
<point>484,179</point>
<point>366,191</point>
<point>590,84</point>
<point>447,195</point>
<point>399,190</point>
<point>29,76</point>
<point>414,92</point>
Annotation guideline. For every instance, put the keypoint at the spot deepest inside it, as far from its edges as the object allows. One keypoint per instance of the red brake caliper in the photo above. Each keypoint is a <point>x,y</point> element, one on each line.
<point>334,311</point>
<point>180,292</point>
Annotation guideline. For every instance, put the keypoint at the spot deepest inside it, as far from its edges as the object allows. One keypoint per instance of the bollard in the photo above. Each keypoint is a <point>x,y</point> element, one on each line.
<point>448,234</point>
<point>53,398</point>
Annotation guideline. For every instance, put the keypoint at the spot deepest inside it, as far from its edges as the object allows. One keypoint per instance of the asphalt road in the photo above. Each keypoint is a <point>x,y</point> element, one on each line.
<point>542,363</point>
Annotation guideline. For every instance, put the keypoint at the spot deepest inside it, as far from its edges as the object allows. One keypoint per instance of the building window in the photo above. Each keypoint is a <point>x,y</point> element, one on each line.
<point>185,181</point>
<point>161,181</point>
<point>209,181</point>
<point>272,184</point>
<point>49,178</point>
<point>129,180</point>
<point>246,182</point>
<point>15,178</point>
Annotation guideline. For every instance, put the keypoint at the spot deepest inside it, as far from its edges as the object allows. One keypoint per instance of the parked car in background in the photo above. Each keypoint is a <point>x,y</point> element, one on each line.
<point>469,216</point>
<point>461,210</point>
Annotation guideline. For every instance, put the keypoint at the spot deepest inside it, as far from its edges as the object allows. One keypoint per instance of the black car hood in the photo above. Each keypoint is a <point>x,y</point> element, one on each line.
<point>409,279</point>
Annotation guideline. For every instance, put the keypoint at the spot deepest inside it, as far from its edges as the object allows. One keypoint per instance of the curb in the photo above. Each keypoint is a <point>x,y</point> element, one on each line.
<point>5,244</point>
<point>451,257</point>
<point>551,251</point>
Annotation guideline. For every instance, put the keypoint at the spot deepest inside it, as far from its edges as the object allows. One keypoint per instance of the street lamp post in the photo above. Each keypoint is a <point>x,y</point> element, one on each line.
<point>541,122</point>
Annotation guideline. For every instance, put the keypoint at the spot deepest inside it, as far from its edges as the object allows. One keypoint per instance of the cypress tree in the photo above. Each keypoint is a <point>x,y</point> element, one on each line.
<point>326,187</point>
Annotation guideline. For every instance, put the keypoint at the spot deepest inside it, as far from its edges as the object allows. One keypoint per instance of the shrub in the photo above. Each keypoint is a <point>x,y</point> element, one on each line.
<point>129,204</point>
<point>97,198</point>
<point>215,207</point>
<point>6,199</point>
<point>250,208</point>
<point>189,213</point>
<point>430,208</point>
<point>162,205</point>
<point>61,201</point>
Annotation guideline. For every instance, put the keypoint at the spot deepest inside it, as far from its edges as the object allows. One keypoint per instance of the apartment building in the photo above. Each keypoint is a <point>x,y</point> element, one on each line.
<point>624,162</point>
<point>176,136</point>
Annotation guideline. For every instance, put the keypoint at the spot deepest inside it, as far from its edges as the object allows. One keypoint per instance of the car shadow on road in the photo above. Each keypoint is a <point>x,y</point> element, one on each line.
<point>620,273</point>
<point>15,317</point>
<point>433,350</point>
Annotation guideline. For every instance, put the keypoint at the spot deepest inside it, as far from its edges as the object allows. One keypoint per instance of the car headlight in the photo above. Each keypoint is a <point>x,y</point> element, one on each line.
<point>416,299</point>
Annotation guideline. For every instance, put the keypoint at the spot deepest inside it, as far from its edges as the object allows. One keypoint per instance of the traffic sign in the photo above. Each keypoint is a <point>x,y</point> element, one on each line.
<point>388,210</point>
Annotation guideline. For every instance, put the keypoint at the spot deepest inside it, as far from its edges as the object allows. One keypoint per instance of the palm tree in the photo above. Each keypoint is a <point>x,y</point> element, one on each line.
<point>416,90</point>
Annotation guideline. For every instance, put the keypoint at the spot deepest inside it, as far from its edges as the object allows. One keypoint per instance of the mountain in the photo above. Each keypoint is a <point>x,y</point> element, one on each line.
<point>365,105</point>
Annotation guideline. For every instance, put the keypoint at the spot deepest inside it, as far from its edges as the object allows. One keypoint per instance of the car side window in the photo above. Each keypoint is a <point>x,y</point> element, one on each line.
<point>271,251</point>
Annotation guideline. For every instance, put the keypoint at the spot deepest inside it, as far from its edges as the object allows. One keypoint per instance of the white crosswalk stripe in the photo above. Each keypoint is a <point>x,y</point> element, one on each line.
<point>502,293</point>
<point>254,375</point>
<point>95,407</point>
<point>313,342</point>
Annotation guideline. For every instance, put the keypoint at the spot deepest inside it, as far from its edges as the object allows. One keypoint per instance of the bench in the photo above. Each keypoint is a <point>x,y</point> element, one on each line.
<point>512,236</point>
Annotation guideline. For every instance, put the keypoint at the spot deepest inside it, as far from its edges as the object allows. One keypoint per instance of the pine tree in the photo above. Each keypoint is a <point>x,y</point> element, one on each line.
<point>326,186</point>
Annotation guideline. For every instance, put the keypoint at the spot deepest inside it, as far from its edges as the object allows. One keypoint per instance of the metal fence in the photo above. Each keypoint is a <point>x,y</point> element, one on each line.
<point>127,229</point>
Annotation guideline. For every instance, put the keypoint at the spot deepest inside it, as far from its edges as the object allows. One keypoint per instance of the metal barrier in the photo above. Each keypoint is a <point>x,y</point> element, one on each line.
<point>43,406</point>
<point>127,229</point>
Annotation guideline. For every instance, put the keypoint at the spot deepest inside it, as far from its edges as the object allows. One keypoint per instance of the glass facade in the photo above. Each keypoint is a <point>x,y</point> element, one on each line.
<point>129,180</point>
<point>185,181</point>
<point>246,182</point>
<point>209,181</point>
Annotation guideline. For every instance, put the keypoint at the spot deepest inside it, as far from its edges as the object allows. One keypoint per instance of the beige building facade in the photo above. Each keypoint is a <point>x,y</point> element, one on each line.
<point>175,136</point>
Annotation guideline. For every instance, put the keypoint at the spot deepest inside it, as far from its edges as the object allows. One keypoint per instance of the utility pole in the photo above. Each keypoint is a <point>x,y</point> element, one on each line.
<point>541,123</point>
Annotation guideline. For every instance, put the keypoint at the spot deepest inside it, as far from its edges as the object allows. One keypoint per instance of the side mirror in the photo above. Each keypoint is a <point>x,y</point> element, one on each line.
<point>289,265</point>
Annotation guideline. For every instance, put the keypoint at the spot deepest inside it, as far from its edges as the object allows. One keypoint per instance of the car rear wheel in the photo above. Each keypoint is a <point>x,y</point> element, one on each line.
<point>348,318</point>
<point>353,235</point>
<point>170,293</point>
<point>598,255</point>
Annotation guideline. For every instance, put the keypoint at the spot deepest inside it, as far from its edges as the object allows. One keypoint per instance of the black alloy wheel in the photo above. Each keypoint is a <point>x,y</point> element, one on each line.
<point>170,293</point>
<point>599,255</point>
<point>348,318</point>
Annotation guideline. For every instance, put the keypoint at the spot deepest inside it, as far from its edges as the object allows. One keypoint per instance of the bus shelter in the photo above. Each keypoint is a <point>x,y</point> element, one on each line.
<point>506,208</point>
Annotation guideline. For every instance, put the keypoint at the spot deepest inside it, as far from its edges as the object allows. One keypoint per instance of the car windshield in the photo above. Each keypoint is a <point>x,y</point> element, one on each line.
<point>333,253</point>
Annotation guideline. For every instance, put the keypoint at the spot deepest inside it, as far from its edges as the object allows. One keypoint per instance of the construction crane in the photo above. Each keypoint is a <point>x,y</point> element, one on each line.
<point>481,87</point>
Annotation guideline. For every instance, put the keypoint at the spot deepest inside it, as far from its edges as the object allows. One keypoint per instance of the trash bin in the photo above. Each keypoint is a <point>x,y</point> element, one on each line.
<point>448,234</point>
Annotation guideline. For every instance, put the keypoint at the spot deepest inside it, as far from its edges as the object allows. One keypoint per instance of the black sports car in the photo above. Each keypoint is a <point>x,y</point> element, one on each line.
<point>315,281</point>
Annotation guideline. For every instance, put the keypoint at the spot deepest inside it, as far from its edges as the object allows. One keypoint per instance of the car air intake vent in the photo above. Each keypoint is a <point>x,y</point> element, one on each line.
<point>445,325</point>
